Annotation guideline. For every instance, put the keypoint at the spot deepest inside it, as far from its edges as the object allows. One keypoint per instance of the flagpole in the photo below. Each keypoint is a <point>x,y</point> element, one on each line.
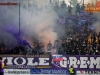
<point>83,3</point>
<point>19,19</point>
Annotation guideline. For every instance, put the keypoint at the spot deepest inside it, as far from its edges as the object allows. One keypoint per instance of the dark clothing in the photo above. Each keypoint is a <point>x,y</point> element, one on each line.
<point>49,46</point>
<point>60,51</point>
<point>1,69</point>
<point>71,74</point>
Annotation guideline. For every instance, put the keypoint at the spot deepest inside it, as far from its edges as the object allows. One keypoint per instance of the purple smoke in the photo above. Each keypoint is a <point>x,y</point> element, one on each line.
<point>14,31</point>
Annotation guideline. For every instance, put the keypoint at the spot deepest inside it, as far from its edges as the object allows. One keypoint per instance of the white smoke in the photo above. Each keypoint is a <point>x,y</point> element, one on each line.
<point>34,22</point>
<point>40,24</point>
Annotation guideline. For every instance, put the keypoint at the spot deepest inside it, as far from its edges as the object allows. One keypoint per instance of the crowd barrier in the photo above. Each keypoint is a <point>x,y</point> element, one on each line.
<point>51,65</point>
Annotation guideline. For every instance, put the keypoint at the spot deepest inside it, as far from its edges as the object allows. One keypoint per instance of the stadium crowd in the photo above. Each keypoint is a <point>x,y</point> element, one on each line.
<point>79,39</point>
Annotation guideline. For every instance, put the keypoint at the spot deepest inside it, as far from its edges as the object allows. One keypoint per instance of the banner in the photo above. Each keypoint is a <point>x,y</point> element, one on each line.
<point>86,63</point>
<point>48,71</point>
<point>88,72</point>
<point>28,61</point>
<point>16,71</point>
<point>59,62</point>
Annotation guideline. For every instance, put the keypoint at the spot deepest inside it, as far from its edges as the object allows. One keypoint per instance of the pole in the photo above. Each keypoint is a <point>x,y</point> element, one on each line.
<point>45,5</point>
<point>83,3</point>
<point>19,19</point>
<point>28,5</point>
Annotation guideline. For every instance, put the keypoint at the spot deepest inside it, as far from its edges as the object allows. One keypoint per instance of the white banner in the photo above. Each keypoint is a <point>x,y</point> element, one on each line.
<point>16,71</point>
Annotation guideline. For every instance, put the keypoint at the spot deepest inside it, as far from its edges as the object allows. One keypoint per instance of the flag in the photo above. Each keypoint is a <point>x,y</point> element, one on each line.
<point>57,57</point>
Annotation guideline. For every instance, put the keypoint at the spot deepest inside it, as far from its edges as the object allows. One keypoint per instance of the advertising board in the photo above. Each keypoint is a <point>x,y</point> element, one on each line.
<point>49,71</point>
<point>16,71</point>
<point>88,72</point>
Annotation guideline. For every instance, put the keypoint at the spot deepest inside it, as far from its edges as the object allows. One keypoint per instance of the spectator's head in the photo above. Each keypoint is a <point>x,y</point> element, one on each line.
<point>79,50</point>
<point>68,30</point>
<point>30,50</point>
<point>67,40</point>
<point>39,42</point>
<point>63,2</point>
<point>53,47</point>
<point>14,50</point>
<point>71,66</point>
<point>91,48</point>
<point>88,44</point>
<point>87,51</point>
<point>59,48</point>
<point>20,50</point>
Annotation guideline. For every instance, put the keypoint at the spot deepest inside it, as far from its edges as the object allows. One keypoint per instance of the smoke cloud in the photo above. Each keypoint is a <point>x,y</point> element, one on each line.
<point>40,24</point>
